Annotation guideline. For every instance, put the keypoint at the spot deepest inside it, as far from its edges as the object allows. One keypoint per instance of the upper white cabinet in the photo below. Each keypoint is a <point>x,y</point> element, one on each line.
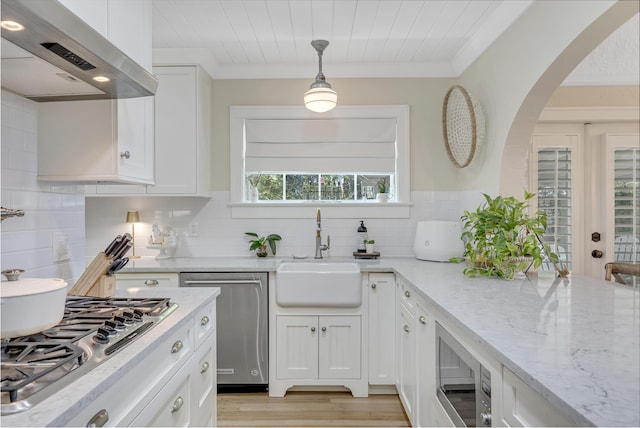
<point>104,140</point>
<point>182,136</point>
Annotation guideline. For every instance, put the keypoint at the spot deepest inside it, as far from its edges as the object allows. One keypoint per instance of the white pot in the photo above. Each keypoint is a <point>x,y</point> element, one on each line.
<point>369,248</point>
<point>384,197</point>
<point>30,305</point>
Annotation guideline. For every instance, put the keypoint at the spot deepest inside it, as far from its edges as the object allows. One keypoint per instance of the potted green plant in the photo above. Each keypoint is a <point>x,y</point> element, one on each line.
<point>502,237</point>
<point>259,244</point>
<point>368,243</point>
<point>383,191</point>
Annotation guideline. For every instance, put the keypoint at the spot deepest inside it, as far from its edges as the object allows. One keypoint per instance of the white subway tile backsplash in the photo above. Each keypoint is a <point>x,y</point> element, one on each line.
<point>221,235</point>
<point>27,242</point>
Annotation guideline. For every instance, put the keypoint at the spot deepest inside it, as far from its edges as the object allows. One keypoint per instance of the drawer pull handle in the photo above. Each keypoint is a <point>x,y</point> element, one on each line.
<point>422,319</point>
<point>126,154</point>
<point>406,328</point>
<point>373,285</point>
<point>204,321</point>
<point>205,367</point>
<point>99,419</point>
<point>177,405</point>
<point>313,329</point>
<point>324,329</point>
<point>151,282</point>
<point>407,294</point>
<point>177,347</point>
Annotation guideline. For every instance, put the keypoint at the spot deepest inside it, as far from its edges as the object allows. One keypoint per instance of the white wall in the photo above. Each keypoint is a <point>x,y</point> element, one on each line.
<point>221,235</point>
<point>27,242</point>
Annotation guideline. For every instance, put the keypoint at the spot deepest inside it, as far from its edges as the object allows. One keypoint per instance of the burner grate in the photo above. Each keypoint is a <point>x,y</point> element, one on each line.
<point>26,362</point>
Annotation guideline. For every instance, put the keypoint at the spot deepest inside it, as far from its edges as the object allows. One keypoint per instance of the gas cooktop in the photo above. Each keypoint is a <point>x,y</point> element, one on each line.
<point>91,330</point>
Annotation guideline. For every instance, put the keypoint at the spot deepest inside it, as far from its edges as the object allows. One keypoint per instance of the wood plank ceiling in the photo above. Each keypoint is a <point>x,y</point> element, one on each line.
<point>368,38</point>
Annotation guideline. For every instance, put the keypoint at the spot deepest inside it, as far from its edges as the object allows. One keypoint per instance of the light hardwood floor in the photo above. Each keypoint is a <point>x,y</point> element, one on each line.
<point>310,409</point>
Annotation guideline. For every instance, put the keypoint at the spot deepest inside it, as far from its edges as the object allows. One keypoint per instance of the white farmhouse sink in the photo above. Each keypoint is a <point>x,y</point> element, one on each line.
<point>318,284</point>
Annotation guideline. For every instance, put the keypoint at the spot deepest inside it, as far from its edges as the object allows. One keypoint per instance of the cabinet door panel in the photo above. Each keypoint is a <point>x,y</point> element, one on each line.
<point>339,347</point>
<point>297,347</point>
<point>176,122</point>
<point>382,329</point>
<point>407,373</point>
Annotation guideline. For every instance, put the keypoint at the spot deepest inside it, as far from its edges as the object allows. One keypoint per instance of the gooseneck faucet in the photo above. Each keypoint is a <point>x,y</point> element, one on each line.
<point>320,247</point>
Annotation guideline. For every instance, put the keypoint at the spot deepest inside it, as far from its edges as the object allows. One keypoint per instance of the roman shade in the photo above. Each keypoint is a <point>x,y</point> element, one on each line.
<point>335,145</point>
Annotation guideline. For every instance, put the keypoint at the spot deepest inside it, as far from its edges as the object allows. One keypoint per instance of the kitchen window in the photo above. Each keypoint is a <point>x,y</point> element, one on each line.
<point>283,158</point>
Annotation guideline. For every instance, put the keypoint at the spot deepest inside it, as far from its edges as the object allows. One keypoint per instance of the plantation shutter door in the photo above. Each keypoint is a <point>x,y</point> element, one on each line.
<point>320,145</point>
<point>623,188</point>
<point>554,184</point>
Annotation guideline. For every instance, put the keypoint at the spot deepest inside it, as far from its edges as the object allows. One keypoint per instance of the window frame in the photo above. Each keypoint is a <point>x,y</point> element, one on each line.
<point>343,209</point>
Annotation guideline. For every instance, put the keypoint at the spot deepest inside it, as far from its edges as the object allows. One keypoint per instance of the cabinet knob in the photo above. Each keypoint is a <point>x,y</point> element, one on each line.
<point>151,282</point>
<point>407,294</point>
<point>177,404</point>
<point>406,328</point>
<point>486,418</point>
<point>324,329</point>
<point>177,347</point>
<point>99,419</point>
<point>422,319</point>
<point>313,329</point>
<point>126,154</point>
<point>204,321</point>
<point>205,367</point>
<point>373,285</point>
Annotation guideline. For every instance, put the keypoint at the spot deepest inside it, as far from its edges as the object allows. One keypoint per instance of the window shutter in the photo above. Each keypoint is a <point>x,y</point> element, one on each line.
<point>555,198</point>
<point>356,145</point>
<point>627,205</point>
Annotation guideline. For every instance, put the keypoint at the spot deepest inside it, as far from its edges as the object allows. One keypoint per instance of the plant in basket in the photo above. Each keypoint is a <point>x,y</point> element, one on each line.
<point>503,238</point>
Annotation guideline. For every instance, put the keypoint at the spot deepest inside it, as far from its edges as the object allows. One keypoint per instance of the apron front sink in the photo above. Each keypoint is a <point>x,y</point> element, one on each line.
<point>319,284</point>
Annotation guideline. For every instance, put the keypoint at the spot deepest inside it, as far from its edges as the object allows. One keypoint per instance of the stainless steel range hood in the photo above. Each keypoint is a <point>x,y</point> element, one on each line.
<point>57,56</point>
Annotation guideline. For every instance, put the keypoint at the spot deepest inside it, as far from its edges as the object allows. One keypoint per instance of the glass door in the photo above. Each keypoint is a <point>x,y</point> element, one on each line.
<point>587,178</point>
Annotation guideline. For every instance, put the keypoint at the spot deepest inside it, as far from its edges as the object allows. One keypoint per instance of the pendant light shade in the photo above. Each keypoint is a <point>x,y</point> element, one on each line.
<point>320,97</point>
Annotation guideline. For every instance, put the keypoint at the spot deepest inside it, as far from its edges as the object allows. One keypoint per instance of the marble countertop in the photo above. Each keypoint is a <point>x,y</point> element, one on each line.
<point>576,341</point>
<point>64,405</point>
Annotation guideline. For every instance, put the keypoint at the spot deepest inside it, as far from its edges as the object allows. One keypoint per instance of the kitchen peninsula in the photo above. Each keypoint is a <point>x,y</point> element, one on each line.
<point>574,341</point>
<point>165,376</point>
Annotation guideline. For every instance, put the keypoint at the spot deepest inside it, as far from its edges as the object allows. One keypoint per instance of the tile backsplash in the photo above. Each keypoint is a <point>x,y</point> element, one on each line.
<point>205,227</point>
<point>48,241</point>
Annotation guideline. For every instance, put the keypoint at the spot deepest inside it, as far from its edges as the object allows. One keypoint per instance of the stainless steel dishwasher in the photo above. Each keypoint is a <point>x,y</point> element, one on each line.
<point>242,327</point>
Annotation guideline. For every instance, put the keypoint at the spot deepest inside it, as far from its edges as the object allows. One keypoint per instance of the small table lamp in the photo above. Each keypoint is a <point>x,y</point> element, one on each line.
<point>133,217</point>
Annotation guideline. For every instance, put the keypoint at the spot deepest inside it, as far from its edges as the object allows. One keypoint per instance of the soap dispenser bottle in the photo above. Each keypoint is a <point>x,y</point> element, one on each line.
<point>361,237</point>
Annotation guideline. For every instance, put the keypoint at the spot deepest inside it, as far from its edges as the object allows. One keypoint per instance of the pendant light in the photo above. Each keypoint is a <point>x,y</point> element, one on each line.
<point>320,97</point>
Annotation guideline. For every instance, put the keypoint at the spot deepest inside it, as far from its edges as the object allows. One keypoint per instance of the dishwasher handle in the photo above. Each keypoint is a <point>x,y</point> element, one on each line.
<point>215,282</point>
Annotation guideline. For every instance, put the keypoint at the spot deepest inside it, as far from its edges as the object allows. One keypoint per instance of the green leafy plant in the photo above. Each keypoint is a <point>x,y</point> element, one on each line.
<point>259,244</point>
<point>382,186</point>
<point>369,241</point>
<point>502,238</point>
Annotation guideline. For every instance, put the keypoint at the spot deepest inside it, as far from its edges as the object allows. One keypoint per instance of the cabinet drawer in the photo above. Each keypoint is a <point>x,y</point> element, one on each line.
<point>205,322</point>
<point>147,280</point>
<point>203,383</point>
<point>522,406</point>
<point>129,394</point>
<point>170,408</point>
<point>406,295</point>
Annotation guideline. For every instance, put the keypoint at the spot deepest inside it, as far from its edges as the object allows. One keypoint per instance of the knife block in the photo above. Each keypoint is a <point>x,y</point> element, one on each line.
<point>92,277</point>
<point>104,287</point>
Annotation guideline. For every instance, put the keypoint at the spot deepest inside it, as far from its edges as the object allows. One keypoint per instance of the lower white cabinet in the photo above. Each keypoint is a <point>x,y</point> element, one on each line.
<point>189,397</point>
<point>425,366</point>
<point>522,406</point>
<point>406,336</point>
<point>147,280</point>
<point>382,334</point>
<point>318,347</point>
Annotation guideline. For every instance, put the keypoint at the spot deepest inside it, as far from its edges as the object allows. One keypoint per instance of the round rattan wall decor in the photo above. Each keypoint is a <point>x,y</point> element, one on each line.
<point>463,125</point>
